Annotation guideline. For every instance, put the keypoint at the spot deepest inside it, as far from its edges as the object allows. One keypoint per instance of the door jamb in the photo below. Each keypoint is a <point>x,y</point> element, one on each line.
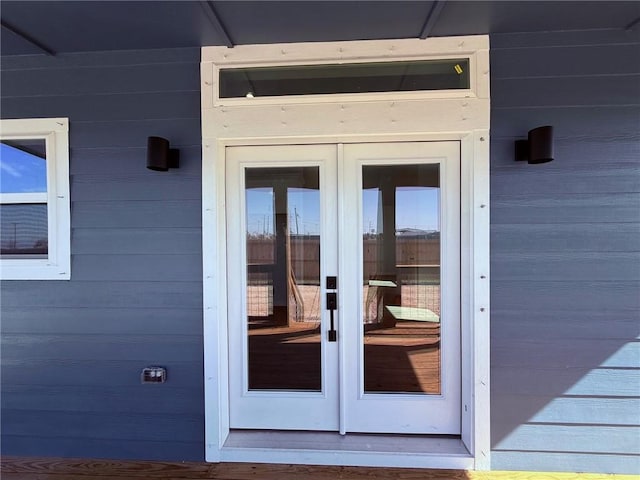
<point>474,309</point>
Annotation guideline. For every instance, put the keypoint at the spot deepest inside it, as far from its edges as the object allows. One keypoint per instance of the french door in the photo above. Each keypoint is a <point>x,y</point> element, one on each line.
<point>343,264</point>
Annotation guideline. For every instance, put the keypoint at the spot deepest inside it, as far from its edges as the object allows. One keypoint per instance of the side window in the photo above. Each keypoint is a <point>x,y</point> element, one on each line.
<point>35,231</point>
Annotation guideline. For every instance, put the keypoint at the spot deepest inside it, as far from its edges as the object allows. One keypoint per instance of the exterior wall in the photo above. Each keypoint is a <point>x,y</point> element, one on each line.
<point>72,351</point>
<point>565,261</point>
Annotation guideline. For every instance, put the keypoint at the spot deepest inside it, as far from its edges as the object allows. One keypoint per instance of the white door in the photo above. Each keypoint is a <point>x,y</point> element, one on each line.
<point>375,227</point>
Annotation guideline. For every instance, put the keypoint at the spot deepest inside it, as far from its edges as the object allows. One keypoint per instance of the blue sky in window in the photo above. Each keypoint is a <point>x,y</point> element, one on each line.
<point>260,211</point>
<point>21,172</point>
<point>417,208</point>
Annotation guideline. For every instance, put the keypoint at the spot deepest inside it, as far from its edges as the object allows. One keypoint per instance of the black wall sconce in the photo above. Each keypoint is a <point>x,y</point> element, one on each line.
<point>538,148</point>
<point>159,156</point>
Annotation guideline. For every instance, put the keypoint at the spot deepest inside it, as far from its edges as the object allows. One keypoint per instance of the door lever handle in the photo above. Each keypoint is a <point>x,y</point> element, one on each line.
<point>332,301</point>
<point>332,305</point>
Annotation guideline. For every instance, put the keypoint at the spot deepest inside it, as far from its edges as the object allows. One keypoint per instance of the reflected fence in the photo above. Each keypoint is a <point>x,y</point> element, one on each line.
<point>417,273</point>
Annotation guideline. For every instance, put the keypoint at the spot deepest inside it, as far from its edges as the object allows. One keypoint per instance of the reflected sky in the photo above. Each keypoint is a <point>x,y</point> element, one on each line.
<point>21,172</point>
<point>416,208</point>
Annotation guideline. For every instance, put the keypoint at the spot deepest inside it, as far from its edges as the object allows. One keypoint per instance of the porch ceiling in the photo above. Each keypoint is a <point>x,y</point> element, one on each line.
<point>55,27</point>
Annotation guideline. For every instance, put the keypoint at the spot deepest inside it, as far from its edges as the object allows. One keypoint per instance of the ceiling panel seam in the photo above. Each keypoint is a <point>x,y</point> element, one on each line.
<point>633,25</point>
<point>215,20</point>
<point>27,38</point>
<point>432,18</point>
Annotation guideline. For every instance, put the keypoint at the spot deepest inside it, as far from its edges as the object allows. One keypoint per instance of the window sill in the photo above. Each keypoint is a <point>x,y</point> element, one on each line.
<point>31,269</point>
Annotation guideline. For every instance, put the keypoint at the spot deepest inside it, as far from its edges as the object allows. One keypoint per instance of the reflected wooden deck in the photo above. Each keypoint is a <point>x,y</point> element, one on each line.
<point>403,358</point>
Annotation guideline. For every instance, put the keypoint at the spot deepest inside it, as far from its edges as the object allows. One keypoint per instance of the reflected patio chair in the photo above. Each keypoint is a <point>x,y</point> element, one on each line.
<point>379,288</point>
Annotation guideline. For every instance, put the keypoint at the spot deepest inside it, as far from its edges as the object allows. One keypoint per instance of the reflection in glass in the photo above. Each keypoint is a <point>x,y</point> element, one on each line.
<point>23,166</point>
<point>283,278</point>
<point>348,78</point>
<point>401,284</point>
<point>23,230</point>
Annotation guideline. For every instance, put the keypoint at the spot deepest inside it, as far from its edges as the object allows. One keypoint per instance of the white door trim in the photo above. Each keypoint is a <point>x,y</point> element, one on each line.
<point>420,119</point>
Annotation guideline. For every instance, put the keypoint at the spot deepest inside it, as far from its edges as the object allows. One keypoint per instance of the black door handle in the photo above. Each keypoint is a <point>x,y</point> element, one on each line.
<point>332,301</point>
<point>332,305</point>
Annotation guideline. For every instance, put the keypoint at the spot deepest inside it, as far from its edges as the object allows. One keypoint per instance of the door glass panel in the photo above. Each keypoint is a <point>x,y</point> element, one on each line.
<point>401,284</point>
<point>283,278</point>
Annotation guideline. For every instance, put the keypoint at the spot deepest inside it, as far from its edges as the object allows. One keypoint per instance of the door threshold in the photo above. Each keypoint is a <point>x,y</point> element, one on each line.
<point>354,449</point>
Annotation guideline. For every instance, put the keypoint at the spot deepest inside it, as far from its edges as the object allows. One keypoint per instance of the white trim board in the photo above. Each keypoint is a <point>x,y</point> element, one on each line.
<point>338,119</point>
<point>57,264</point>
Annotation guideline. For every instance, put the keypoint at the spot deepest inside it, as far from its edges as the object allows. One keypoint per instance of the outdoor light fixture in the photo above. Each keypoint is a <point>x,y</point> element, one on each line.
<point>159,156</point>
<point>538,148</point>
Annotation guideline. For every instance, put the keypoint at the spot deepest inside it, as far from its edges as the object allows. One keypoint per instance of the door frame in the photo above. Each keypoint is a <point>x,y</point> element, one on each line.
<point>406,116</point>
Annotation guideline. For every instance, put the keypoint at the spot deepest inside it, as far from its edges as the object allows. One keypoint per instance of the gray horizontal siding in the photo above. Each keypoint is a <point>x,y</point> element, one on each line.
<point>72,352</point>
<point>566,296</point>
<point>583,237</point>
<point>133,133</point>
<point>102,347</point>
<point>575,324</point>
<point>136,427</point>
<point>562,266</point>
<point>116,59</point>
<point>95,320</point>
<point>102,294</point>
<point>106,161</point>
<point>106,241</point>
<point>93,188</point>
<point>120,399</point>
<point>150,106</point>
<point>574,438</point>
<point>559,91</point>
<point>549,41</point>
<point>565,208</point>
<point>569,61</point>
<point>139,268</point>
<point>118,373</point>
<point>87,446</point>
<point>558,381</point>
<point>565,353</point>
<point>567,461</point>
<point>573,410</point>
<point>565,262</point>
<point>584,122</point>
<point>608,173</point>
<point>99,80</point>
<point>138,214</point>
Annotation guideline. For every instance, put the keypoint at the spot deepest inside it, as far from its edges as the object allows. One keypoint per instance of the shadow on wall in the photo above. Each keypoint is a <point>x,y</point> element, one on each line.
<point>565,329</point>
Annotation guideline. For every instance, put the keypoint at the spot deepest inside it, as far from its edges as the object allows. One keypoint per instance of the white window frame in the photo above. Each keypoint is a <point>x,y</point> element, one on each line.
<point>57,264</point>
<point>294,57</point>
<point>447,115</point>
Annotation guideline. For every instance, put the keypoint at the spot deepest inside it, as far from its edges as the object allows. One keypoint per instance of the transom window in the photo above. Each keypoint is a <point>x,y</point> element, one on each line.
<point>400,76</point>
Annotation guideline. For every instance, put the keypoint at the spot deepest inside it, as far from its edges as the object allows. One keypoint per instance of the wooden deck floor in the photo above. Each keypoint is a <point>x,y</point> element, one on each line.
<point>13,468</point>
